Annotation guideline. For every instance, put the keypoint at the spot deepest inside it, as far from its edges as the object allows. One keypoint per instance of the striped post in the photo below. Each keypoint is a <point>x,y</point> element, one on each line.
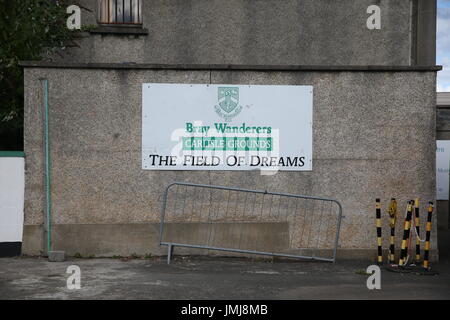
<point>426,262</point>
<point>406,230</point>
<point>417,223</point>
<point>392,211</point>
<point>378,223</point>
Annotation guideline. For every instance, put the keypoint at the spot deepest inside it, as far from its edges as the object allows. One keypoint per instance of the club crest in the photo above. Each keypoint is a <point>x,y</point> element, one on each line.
<point>228,100</point>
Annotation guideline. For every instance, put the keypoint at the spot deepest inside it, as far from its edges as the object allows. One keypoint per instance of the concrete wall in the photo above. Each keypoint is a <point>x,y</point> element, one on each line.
<point>261,32</point>
<point>373,136</point>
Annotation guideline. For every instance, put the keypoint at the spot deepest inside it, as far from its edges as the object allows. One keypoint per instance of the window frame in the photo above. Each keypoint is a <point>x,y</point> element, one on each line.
<point>105,19</point>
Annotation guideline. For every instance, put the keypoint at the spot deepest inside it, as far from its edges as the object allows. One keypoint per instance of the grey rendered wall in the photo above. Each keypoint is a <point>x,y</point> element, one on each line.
<point>274,32</point>
<point>374,136</point>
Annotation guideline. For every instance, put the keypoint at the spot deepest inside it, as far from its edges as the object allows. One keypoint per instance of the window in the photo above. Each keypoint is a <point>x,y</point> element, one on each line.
<point>120,12</point>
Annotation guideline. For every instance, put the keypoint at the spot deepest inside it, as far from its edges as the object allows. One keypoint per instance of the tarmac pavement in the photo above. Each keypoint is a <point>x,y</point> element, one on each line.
<point>212,278</point>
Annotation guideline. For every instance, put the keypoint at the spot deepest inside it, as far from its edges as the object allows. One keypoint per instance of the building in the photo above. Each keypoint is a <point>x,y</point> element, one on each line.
<point>373,111</point>
<point>443,133</point>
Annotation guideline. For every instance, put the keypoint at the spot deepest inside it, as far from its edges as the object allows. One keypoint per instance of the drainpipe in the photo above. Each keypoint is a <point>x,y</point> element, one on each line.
<point>48,200</point>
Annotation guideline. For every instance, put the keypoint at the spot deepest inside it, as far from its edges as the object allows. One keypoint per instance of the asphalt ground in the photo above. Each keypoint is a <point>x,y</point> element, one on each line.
<point>200,277</point>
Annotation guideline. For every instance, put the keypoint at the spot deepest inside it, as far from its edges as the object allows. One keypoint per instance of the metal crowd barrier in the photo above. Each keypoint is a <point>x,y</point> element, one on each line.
<point>249,221</point>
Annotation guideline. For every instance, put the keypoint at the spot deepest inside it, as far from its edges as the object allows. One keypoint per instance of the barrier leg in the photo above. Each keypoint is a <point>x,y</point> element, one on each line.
<point>426,262</point>
<point>169,253</point>
<point>406,230</point>
<point>417,223</point>
<point>393,220</point>
<point>378,223</point>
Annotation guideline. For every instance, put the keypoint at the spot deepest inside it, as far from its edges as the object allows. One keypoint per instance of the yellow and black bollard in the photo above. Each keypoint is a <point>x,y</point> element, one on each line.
<point>417,223</point>
<point>426,262</point>
<point>392,211</point>
<point>406,230</point>
<point>378,223</point>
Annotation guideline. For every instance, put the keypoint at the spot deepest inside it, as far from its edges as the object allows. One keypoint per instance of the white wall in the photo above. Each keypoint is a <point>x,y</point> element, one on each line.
<point>12,183</point>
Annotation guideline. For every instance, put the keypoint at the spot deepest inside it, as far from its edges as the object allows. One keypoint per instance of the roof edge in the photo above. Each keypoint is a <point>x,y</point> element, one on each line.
<point>174,66</point>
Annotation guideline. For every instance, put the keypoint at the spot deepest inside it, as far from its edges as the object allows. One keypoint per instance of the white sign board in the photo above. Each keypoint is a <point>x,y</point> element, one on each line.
<point>226,127</point>
<point>12,186</point>
<point>442,169</point>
